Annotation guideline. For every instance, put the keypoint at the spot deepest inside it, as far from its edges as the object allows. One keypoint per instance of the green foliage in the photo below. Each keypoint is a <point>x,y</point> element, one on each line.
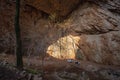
<point>32,71</point>
<point>79,55</point>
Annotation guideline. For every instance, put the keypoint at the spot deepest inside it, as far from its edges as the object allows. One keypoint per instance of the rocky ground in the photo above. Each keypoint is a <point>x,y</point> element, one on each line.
<point>57,70</point>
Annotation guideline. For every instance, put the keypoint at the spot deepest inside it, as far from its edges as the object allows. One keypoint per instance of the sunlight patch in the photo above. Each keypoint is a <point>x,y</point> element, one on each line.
<point>64,48</point>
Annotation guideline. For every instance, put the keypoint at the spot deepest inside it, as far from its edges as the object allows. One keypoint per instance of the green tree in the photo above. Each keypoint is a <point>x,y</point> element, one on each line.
<point>19,61</point>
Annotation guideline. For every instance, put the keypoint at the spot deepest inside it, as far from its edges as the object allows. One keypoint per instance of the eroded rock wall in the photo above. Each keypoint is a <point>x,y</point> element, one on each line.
<point>99,30</point>
<point>91,32</point>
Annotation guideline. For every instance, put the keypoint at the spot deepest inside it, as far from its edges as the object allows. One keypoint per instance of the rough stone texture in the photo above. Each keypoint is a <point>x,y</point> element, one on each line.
<point>68,72</point>
<point>104,46</point>
<point>92,32</point>
<point>6,25</point>
<point>99,31</point>
<point>57,7</point>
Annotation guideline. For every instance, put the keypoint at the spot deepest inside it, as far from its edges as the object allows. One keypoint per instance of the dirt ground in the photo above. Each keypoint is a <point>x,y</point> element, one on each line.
<point>55,69</point>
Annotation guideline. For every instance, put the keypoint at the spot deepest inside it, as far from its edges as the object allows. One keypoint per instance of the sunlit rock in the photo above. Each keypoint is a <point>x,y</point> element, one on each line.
<point>64,48</point>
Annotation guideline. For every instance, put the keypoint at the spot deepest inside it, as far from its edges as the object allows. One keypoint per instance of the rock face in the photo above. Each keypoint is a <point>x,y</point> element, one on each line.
<point>56,7</point>
<point>99,31</point>
<point>92,32</point>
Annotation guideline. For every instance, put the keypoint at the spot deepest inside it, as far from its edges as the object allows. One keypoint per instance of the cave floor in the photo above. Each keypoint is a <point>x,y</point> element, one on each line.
<point>56,69</point>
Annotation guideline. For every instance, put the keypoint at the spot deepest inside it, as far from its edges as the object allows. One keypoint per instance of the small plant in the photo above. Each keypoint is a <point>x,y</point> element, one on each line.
<point>79,55</point>
<point>32,71</point>
<point>53,16</point>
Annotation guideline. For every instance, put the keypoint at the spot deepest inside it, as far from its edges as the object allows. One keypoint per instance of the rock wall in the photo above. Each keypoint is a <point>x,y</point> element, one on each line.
<point>91,32</point>
<point>99,30</point>
<point>56,7</point>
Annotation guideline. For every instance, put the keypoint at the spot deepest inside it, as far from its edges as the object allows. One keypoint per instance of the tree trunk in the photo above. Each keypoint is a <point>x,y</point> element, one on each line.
<point>19,61</point>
